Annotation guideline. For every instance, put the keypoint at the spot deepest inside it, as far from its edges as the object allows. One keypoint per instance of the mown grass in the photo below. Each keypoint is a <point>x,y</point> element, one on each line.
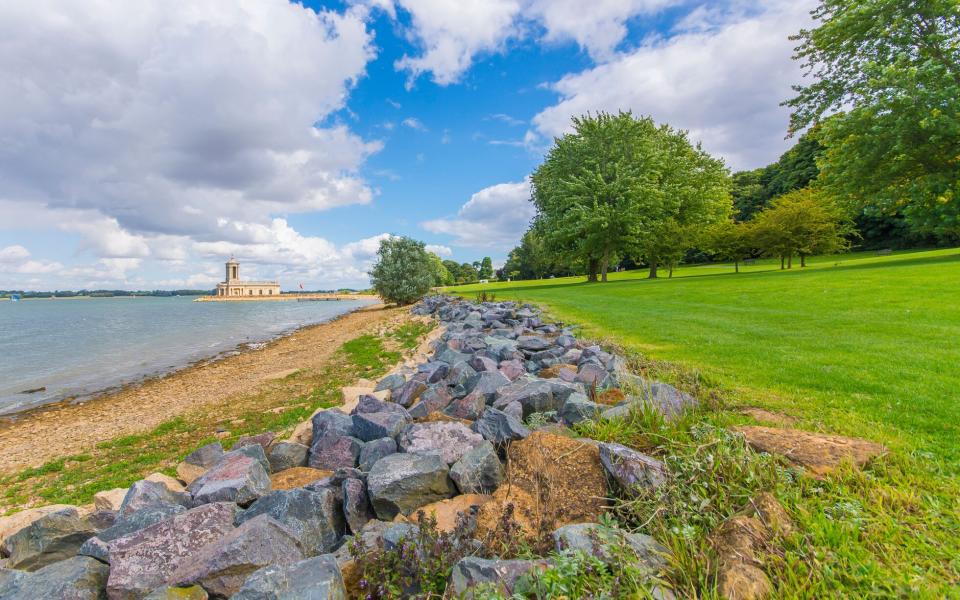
<point>285,403</point>
<point>860,345</point>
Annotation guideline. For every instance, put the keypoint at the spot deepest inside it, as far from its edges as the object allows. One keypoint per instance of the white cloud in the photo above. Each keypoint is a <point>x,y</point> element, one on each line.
<point>413,123</point>
<point>15,260</point>
<point>723,78</point>
<point>155,131</point>
<point>495,217</point>
<point>440,250</point>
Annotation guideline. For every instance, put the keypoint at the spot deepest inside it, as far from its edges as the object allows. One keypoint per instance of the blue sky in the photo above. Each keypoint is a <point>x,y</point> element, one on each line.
<point>141,147</point>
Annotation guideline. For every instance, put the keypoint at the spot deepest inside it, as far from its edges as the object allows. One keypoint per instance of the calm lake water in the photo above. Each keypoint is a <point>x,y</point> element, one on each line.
<point>78,347</point>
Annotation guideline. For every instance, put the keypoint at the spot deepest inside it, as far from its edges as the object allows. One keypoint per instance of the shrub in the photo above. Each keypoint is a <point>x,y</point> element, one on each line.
<point>403,272</point>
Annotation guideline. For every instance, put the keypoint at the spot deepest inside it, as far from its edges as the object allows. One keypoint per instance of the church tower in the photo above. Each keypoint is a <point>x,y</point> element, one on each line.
<point>233,270</point>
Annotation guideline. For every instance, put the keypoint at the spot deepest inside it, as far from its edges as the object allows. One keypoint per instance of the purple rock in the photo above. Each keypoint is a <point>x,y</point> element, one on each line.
<point>447,440</point>
<point>356,505</point>
<point>630,468</point>
<point>335,452</point>
<point>238,478</point>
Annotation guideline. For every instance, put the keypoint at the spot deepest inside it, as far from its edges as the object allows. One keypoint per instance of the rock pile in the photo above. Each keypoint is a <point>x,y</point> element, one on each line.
<point>270,518</point>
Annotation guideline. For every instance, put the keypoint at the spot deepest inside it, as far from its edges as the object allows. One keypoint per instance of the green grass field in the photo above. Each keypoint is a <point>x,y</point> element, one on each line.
<point>857,344</point>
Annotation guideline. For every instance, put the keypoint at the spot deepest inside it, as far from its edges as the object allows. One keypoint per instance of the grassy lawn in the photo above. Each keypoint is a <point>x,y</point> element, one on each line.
<point>857,344</point>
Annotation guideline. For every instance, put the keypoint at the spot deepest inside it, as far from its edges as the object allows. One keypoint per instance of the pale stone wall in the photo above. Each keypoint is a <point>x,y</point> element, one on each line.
<point>248,289</point>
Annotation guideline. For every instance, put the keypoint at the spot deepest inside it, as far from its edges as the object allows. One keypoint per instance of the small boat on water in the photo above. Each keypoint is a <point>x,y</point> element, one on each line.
<point>14,297</point>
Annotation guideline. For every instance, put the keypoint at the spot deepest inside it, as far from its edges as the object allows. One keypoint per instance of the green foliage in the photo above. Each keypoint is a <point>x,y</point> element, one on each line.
<point>576,574</point>
<point>728,241</point>
<point>892,70</point>
<point>620,185</point>
<point>753,190</point>
<point>468,274</point>
<point>486,268</point>
<point>404,271</point>
<point>439,272</point>
<point>802,222</point>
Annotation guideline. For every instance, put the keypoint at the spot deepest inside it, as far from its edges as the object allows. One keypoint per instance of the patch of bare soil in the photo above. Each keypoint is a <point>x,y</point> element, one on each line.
<point>819,453</point>
<point>38,437</point>
<point>765,416</point>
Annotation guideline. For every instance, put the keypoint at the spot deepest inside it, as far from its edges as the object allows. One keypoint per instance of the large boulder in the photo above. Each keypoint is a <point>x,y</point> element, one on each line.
<point>447,440</point>
<point>632,469</point>
<point>13,523</point>
<point>313,517</point>
<point>470,407</point>
<point>97,546</point>
<point>409,392</point>
<point>287,455</point>
<point>478,471</point>
<point>579,408</point>
<point>331,422</point>
<point>433,399</point>
<point>238,477</point>
<point>670,401</point>
<point>76,578</point>
<point>49,539</point>
<point>473,572</point>
<point>147,494</point>
<point>485,384</point>
<point>374,450</point>
<point>145,560</point>
<point>316,578</point>
<point>603,543</point>
<point>531,343</point>
<point>375,425</point>
<point>356,504</point>
<point>224,564</point>
<point>197,462</point>
<point>534,395</point>
<point>109,499</point>
<point>498,427</point>
<point>390,382</point>
<point>335,452</point>
<point>401,483</point>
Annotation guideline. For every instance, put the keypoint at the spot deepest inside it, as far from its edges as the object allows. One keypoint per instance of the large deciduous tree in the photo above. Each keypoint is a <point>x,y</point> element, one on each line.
<point>403,271</point>
<point>801,223</point>
<point>619,185</point>
<point>885,84</point>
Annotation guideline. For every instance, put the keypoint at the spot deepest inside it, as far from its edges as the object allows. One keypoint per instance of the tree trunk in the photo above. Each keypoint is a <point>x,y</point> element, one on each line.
<point>736,266</point>
<point>803,260</point>
<point>592,270</point>
<point>604,266</point>
<point>670,275</point>
<point>653,270</point>
<point>782,259</point>
<point>790,262</point>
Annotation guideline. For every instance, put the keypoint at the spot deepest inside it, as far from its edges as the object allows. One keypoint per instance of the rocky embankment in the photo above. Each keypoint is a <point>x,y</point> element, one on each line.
<point>477,428</point>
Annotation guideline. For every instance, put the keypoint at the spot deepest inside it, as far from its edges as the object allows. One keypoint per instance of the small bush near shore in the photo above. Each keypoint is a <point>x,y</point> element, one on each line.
<point>403,272</point>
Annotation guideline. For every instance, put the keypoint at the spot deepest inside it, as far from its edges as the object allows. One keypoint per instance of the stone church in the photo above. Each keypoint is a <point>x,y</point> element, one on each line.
<point>233,286</point>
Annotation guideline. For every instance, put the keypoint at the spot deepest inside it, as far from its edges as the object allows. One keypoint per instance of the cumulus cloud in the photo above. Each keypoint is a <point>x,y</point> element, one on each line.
<point>722,76</point>
<point>440,250</point>
<point>155,130</point>
<point>495,218</point>
<point>16,260</point>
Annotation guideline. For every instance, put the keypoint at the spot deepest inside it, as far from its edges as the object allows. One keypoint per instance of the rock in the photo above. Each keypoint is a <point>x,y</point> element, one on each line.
<point>459,374</point>
<point>515,410</point>
<point>313,517</point>
<point>51,538</point>
<point>501,575</point>
<point>400,483</point>
<point>194,592</point>
<point>109,499</point>
<point>144,560</point>
<point>197,462</point>
<point>171,483</point>
<point>394,535</point>
<point>819,453</point>
<point>593,375</point>
<point>264,440</point>
<point>470,407</point>
<point>335,452</point>
<point>236,478</point>
<point>76,578</point>
<point>532,343</point>
<point>738,544</point>
<point>631,469</point>
<point>356,505</point>
<point>144,494</point>
<point>667,399</point>
<point>372,426</point>
<point>482,363</point>
<point>447,512</point>
<point>772,514</point>
<point>478,471</point>
<point>433,399</point>
<point>484,384</point>
<point>330,423</point>
<point>410,391</point>
<point>554,371</point>
<point>512,369</point>
<point>287,455</point>
<point>222,566</point>
<point>579,408</point>
<point>450,356</point>
<point>433,371</point>
<point>98,546</point>
<point>601,541</point>
<point>302,434</point>
<point>447,440</point>
<point>371,404</point>
<point>316,578</point>
<point>390,382</point>
<point>374,450</point>
<point>499,428</point>
<point>17,521</point>
<point>533,395</point>
<point>296,477</point>
<point>101,519</point>
<point>351,394</point>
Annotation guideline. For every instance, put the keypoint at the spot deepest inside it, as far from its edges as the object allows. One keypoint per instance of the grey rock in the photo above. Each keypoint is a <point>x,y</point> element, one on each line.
<point>101,519</point>
<point>394,535</point>
<point>512,369</point>
<point>374,450</point>
<point>562,390</point>
<point>331,423</point>
<point>316,578</point>
<point>593,375</point>
<point>335,452</point>
<point>502,575</point>
<point>401,483</point>
<point>313,517</point>
<point>356,505</point>
<point>532,343</point>
<point>372,404</point>
<point>390,382</point>
<point>632,469</point>
<point>287,455</point>
<point>515,410</point>
<point>434,371</point>
<point>449,440</point>
<point>145,494</point>
<point>670,401</point>
<point>534,395</point>
<point>264,440</point>
<point>478,471</point>
<point>499,427</point>
<point>482,363</point>
<point>205,456</point>
<point>222,566</point>
<point>598,540</point>
<point>450,356</point>
<point>97,546</point>
<point>435,398</point>
<point>469,407</point>
<point>579,408</point>
<point>76,578</point>
<point>236,478</point>
<point>566,341</point>
<point>485,383</point>
<point>372,426</point>
<point>51,538</point>
<point>459,374</point>
<point>144,560</point>
<point>254,451</point>
<point>409,393</point>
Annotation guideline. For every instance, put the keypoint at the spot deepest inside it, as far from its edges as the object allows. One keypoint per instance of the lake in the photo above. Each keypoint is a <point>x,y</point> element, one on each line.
<point>75,347</point>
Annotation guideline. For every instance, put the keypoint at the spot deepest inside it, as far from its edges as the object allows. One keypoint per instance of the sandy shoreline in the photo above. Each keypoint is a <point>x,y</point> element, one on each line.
<point>66,428</point>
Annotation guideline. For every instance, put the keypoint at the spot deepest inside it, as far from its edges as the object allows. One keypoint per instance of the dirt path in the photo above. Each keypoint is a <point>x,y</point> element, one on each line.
<point>64,430</point>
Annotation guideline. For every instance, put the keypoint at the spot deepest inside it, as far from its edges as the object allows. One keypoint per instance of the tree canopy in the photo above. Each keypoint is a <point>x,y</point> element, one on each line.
<point>404,270</point>
<point>801,223</point>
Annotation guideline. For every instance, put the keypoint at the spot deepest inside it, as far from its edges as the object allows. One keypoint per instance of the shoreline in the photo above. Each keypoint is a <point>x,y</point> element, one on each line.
<point>72,426</point>
<point>83,396</point>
